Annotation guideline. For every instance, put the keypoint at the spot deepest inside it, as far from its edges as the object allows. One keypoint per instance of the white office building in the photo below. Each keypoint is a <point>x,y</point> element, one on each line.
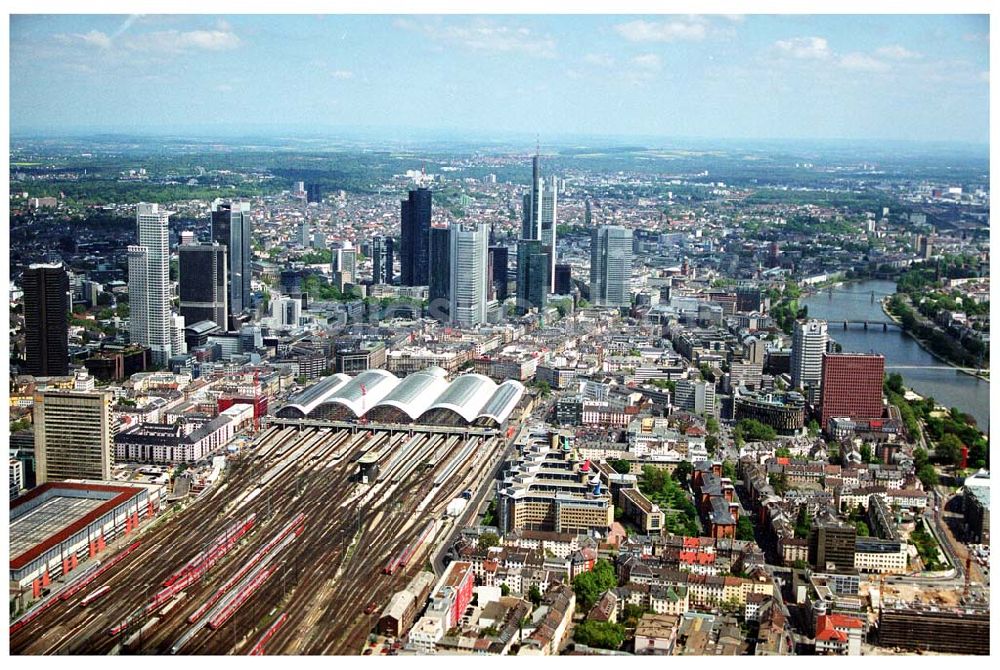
<point>149,283</point>
<point>809,341</point>
<point>468,255</point>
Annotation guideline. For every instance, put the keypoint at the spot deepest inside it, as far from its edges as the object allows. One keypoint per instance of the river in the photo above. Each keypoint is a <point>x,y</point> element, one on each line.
<point>853,302</point>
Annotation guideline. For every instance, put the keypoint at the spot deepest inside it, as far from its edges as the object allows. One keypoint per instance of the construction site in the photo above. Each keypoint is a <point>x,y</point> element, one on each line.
<point>294,550</point>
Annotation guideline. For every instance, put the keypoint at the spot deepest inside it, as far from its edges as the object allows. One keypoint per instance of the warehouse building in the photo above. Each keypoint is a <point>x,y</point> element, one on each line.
<point>57,526</point>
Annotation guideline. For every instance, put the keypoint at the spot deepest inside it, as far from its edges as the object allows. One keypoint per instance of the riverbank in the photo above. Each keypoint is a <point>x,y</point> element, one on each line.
<point>926,347</point>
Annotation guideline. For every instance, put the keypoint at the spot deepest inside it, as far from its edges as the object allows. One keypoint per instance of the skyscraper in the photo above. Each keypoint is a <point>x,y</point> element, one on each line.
<point>439,286</point>
<point>610,266</point>
<point>500,265</point>
<point>540,214</point>
<point>467,295</point>
<point>73,436</point>
<point>852,386</point>
<point>809,340</point>
<point>532,275</point>
<point>231,228</point>
<point>382,259</point>
<point>344,265</point>
<point>46,324</point>
<point>149,283</point>
<point>415,225</point>
<point>203,274</point>
<point>564,279</point>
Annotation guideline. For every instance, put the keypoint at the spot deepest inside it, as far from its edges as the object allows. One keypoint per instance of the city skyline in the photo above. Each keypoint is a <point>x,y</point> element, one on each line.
<point>705,76</point>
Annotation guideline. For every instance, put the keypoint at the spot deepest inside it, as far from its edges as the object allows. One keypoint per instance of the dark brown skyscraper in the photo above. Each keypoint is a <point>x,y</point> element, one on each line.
<point>46,320</point>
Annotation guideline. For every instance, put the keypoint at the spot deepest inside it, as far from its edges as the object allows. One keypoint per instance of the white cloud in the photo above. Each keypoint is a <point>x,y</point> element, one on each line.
<point>97,38</point>
<point>175,41</point>
<point>647,62</point>
<point>691,28</point>
<point>896,52</point>
<point>604,60</point>
<point>94,38</point>
<point>806,48</point>
<point>863,63</point>
<point>342,74</point>
<point>483,35</point>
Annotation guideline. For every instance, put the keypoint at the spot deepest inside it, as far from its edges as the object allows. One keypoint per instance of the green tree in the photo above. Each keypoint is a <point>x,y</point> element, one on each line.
<point>928,476</point>
<point>778,482</point>
<point>589,585</point>
<point>754,430</point>
<point>862,528</point>
<point>920,458</point>
<point>504,590</point>
<point>866,453</point>
<point>621,466</point>
<point>949,449</point>
<point>544,389</point>
<point>712,425</point>
<point>783,452</point>
<point>744,528</point>
<point>535,594</point>
<point>600,634</point>
<point>803,524</point>
<point>683,471</point>
<point>487,540</point>
<point>729,470</point>
<point>711,444</point>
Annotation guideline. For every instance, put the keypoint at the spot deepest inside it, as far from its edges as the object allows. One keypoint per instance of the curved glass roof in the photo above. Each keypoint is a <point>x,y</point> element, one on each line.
<point>423,394</point>
<point>466,395</point>
<point>313,396</point>
<point>503,401</point>
<point>416,392</point>
<point>377,384</point>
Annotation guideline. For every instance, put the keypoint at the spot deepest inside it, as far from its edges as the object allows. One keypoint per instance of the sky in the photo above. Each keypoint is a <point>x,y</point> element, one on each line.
<point>877,77</point>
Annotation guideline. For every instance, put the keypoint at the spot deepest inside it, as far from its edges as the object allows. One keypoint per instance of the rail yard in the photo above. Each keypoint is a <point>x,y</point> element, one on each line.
<point>283,555</point>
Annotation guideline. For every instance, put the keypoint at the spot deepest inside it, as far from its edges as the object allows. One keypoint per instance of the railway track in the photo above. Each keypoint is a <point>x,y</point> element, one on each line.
<point>321,583</point>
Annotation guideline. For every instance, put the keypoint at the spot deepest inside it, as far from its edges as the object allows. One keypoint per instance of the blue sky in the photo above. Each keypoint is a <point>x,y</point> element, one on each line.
<point>886,77</point>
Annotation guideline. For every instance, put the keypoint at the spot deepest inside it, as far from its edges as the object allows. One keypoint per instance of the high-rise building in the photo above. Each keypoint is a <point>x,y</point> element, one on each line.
<point>382,259</point>
<point>564,279</point>
<point>611,266</point>
<point>809,340</point>
<point>344,265</point>
<point>748,299</point>
<point>695,396</point>
<point>314,193</point>
<point>439,284</point>
<point>203,278</point>
<point>467,295</point>
<point>532,276</point>
<point>149,283</point>
<point>305,233</point>
<point>540,216</point>
<point>852,386</point>
<point>499,264</point>
<point>46,324</point>
<point>832,542</point>
<point>231,228</point>
<point>73,435</point>
<point>415,225</point>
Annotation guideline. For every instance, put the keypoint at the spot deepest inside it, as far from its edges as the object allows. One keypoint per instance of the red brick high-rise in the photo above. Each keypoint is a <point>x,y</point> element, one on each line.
<point>852,386</point>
